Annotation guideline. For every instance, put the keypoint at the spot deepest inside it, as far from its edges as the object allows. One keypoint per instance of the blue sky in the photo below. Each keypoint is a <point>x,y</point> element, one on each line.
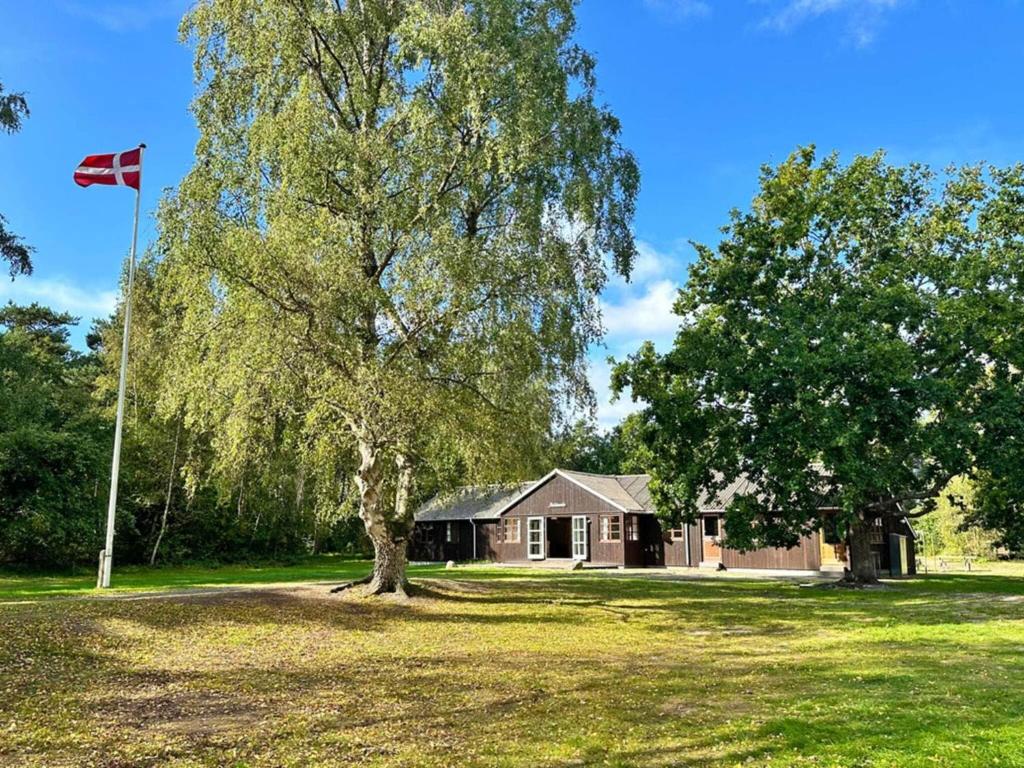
<point>707,91</point>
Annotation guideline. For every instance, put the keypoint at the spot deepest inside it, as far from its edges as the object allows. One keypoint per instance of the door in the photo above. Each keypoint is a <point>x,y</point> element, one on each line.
<point>654,542</point>
<point>535,538</point>
<point>579,537</point>
<point>712,551</point>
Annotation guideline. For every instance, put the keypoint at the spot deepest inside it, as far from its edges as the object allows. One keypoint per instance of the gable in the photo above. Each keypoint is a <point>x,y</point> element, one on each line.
<point>559,495</point>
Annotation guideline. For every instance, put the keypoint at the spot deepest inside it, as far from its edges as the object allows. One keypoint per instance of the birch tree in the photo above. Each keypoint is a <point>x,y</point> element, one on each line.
<point>399,219</point>
<point>13,109</point>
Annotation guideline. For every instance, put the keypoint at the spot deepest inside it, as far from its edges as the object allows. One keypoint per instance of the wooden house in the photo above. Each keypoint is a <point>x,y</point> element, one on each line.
<point>609,520</point>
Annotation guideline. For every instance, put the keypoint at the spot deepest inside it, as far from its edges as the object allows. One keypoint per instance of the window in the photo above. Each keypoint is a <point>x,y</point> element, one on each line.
<point>510,530</point>
<point>610,530</point>
<point>535,538</point>
<point>710,527</point>
<point>451,533</point>
<point>677,534</point>
<point>424,534</point>
<point>632,528</point>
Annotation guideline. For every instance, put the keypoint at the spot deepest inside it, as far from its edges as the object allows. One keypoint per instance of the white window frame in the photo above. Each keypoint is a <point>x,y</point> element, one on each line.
<point>632,526</point>
<point>540,530</point>
<point>514,526</point>
<point>606,528</point>
<point>579,537</point>
<point>448,533</point>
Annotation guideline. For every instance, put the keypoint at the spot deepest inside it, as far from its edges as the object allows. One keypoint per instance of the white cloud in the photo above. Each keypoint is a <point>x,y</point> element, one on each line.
<point>608,413</point>
<point>649,263</point>
<point>59,294</point>
<point>863,17</point>
<point>680,9</point>
<point>634,312</point>
<point>642,316</point>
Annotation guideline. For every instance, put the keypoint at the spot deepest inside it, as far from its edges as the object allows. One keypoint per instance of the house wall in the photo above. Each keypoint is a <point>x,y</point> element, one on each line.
<point>486,538</point>
<point>806,556</point>
<point>675,551</point>
<point>559,497</point>
<point>429,541</point>
<point>880,544</point>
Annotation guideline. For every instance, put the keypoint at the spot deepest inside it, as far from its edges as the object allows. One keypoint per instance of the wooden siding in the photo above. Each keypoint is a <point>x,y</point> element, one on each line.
<point>573,500</point>
<point>675,551</point>
<point>806,556</point>
<point>561,498</point>
<point>429,542</point>
<point>486,538</point>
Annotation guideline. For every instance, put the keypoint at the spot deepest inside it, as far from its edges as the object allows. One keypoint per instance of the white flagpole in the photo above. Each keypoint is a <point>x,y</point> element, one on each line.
<point>106,556</point>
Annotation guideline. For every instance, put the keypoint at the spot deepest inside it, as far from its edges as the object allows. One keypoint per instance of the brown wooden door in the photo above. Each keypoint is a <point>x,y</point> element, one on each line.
<point>711,528</point>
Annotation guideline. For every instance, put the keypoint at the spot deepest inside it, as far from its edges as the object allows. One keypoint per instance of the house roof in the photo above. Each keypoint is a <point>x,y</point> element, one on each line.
<point>475,502</point>
<point>741,486</point>
<point>628,492</point>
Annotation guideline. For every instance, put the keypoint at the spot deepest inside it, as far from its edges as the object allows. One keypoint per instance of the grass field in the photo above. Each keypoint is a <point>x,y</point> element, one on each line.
<point>15,586</point>
<point>509,667</point>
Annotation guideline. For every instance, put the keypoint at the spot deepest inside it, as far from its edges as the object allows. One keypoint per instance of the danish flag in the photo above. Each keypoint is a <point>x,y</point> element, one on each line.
<point>123,168</point>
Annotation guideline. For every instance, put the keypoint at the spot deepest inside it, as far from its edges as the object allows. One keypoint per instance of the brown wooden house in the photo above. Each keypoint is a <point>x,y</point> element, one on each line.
<point>609,520</point>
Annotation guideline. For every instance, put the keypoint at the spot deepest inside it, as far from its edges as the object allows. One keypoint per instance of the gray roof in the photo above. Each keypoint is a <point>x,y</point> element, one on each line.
<point>479,502</point>
<point>627,491</point>
<point>741,486</point>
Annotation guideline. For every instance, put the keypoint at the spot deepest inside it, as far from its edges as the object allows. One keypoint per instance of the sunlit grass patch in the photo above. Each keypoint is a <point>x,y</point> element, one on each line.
<point>514,667</point>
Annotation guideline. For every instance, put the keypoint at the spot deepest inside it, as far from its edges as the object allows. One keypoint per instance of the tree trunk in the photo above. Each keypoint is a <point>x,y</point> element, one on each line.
<point>389,563</point>
<point>170,491</point>
<point>862,561</point>
<point>389,556</point>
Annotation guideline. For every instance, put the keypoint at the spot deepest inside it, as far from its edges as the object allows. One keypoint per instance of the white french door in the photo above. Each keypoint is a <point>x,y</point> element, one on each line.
<point>535,538</point>
<point>579,537</point>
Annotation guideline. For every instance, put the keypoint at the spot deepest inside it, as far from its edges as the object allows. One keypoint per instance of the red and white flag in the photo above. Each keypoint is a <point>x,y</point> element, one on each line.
<point>122,168</point>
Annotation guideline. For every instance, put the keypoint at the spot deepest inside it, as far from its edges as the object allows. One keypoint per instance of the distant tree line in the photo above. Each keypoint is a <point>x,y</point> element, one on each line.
<point>177,503</point>
<point>56,431</point>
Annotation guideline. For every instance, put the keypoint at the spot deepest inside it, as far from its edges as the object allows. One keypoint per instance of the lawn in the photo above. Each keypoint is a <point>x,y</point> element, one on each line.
<point>514,667</point>
<point>15,586</point>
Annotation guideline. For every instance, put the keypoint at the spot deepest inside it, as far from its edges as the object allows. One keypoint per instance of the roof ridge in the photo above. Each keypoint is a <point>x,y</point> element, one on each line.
<point>585,474</point>
<point>490,485</point>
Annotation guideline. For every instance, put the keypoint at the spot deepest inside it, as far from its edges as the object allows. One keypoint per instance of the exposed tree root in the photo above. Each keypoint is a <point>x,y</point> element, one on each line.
<point>373,586</point>
<point>350,584</point>
<point>378,587</point>
<point>850,581</point>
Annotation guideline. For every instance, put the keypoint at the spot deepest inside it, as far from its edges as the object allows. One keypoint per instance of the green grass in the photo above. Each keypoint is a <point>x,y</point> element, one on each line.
<point>508,667</point>
<point>14,586</point>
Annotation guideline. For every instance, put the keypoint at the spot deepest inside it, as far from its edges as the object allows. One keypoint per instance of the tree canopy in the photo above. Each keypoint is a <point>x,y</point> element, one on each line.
<point>392,240</point>
<point>53,445</point>
<point>13,109</point>
<point>848,344</point>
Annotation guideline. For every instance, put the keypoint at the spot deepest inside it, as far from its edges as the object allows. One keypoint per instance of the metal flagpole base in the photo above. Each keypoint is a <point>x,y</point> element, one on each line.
<point>103,577</point>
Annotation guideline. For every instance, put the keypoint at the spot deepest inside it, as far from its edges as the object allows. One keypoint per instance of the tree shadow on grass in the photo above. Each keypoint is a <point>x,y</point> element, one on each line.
<point>527,673</point>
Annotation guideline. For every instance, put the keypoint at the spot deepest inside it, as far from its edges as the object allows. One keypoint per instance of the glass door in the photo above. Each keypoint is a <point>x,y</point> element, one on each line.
<point>535,538</point>
<point>579,537</point>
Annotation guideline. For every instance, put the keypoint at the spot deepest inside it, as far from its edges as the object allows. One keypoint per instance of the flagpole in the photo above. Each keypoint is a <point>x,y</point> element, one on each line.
<point>107,555</point>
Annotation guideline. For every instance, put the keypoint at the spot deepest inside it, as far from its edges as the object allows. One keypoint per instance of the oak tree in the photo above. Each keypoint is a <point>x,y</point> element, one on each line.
<point>848,344</point>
